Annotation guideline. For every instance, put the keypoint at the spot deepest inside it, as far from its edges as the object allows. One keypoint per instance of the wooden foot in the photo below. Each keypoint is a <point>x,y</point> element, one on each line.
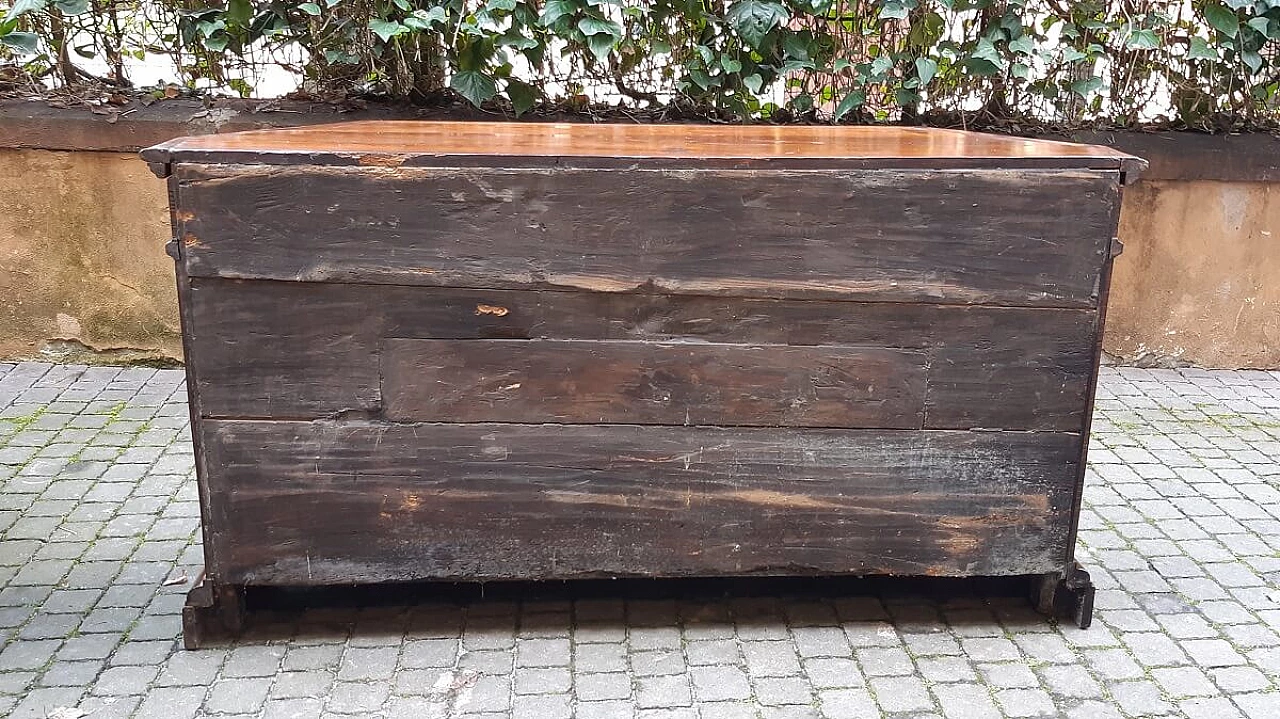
<point>212,612</point>
<point>1069,595</point>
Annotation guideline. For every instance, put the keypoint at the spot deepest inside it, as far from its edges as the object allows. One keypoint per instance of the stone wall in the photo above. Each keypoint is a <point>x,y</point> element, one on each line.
<point>83,271</point>
<point>84,275</point>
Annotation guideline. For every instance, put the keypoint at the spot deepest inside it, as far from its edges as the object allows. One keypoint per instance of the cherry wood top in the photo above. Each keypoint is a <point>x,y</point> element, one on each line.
<point>423,143</point>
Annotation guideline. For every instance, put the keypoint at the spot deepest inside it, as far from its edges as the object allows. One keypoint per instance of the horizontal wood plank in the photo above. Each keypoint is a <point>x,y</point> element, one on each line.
<point>335,502</point>
<point>1006,237</point>
<point>632,382</point>
<point>1012,368</point>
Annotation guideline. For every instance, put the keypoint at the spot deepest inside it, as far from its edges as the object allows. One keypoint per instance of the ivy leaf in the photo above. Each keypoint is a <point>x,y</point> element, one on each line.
<point>1222,20</point>
<point>1252,59</point>
<point>754,19</point>
<point>881,66</point>
<point>25,42</point>
<point>596,26</point>
<point>387,29</point>
<point>925,70</point>
<point>851,102</point>
<point>893,10</point>
<point>554,10</point>
<point>239,12</point>
<point>310,8</point>
<point>216,43</point>
<point>1260,24</point>
<point>72,7</point>
<point>1071,55</point>
<point>1024,45</point>
<point>22,7</point>
<point>753,82</point>
<point>794,46</point>
<point>730,64</point>
<point>700,78</point>
<point>600,45</point>
<point>1238,4</point>
<point>1086,86</point>
<point>1201,50</point>
<point>522,96</point>
<point>434,16</point>
<point>1143,40</point>
<point>475,86</point>
<point>988,52</point>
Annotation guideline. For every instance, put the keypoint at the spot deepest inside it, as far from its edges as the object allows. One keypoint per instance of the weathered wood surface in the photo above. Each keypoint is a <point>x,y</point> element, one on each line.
<point>454,144</point>
<point>334,502</point>
<point>304,350</point>
<point>637,382</point>
<point>1008,237</point>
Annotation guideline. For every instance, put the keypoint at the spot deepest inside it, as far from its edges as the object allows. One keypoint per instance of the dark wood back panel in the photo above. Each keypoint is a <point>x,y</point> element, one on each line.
<point>1004,237</point>
<point>296,350</point>
<point>336,502</point>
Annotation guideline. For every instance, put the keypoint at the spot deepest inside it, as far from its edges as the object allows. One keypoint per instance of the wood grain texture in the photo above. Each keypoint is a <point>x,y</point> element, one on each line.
<point>335,502</point>
<point>637,382</point>
<point>457,143</point>
<point>1020,238</point>
<point>1012,368</point>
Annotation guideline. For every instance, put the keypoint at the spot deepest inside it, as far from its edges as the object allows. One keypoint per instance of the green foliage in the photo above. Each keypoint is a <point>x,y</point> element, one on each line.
<point>1210,63</point>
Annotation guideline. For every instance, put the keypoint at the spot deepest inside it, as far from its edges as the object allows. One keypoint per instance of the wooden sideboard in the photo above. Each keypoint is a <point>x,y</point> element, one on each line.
<point>488,351</point>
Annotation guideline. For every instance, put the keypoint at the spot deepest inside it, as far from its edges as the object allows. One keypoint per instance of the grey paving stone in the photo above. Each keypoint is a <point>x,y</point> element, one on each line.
<point>28,654</point>
<point>367,663</point>
<point>599,687</point>
<point>720,683</point>
<point>541,707</point>
<point>770,659</point>
<point>542,652</point>
<point>777,691</point>
<point>542,680</point>
<point>900,694</point>
<point>45,701</point>
<point>888,661</point>
<point>1026,703</point>
<point>605,710</point>
<point>966,701</point>
<point>125,680</point>
<point>657,663</point>
<point>833,673</point>
<point>598,658</point>
<point>171,703</point>
<point>308,683</point>
<point>1140,698</point>
<point>357,697</point>
<point>663,692</point>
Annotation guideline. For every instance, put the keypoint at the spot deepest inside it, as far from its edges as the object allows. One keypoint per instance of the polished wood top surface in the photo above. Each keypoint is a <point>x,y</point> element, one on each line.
<point>400,142</point>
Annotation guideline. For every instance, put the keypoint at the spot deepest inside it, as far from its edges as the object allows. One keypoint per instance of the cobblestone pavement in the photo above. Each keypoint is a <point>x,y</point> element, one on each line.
<point>1181,530</point>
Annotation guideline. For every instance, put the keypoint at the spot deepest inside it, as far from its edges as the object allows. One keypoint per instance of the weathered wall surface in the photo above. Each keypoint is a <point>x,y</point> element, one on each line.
<point>82,264</point>
<point>1199,280</point>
